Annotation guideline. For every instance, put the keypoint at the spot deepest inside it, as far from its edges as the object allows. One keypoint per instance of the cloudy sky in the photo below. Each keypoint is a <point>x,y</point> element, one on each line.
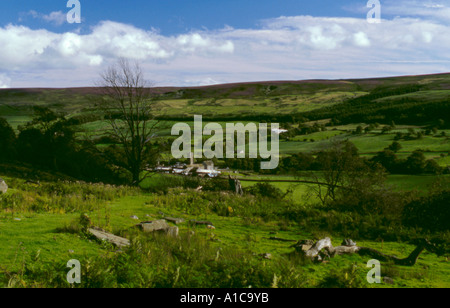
<point>201,42</point>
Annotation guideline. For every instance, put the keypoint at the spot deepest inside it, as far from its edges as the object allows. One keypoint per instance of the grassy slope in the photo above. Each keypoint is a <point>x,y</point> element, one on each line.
<point>370,144</point>
<point>38,232</point>
<point>266,98</point>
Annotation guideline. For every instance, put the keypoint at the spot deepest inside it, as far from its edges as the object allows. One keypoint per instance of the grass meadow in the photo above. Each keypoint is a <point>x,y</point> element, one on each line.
<point>40,229</point>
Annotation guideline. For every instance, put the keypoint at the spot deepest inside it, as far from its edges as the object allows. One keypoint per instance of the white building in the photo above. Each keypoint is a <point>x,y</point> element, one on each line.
<point>279,131</point>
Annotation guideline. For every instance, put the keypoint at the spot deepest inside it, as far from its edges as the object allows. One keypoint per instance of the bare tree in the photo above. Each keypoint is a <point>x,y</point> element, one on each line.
<point>127,106</point>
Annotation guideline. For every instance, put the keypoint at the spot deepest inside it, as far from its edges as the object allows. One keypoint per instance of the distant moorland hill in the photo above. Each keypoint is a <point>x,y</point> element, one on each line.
<point>409,99</point>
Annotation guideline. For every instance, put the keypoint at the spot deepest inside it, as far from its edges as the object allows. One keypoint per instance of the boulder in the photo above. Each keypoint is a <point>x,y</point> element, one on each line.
<point>176,221</point>
<point>318,246</point>
<point>152,226</point>
<point>158,226</point>
<point>303,245</point>
<point>172,231</point>
<point>3,187</point>
<point>303,248</point>
<point>113,239</point>
<point>348,242</point>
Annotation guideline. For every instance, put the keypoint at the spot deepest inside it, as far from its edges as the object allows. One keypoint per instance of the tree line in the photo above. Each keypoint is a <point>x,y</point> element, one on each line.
<point>49,143</point>
<point>382,106</point>
<point>415,164</point>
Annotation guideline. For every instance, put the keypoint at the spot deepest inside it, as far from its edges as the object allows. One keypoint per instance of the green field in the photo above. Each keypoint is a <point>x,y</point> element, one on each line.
<point>42,237</point>
<point>40,228</point>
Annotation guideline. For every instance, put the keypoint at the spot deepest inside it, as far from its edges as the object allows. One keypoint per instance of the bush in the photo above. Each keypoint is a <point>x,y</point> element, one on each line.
<point>216,185</point>
<point>266,190</point>
<point>431,213</point>
<point>7,141</point>
<point>60,197</point>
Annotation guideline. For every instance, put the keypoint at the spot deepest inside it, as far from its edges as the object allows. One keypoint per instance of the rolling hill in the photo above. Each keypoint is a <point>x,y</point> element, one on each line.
<point>408,99</point>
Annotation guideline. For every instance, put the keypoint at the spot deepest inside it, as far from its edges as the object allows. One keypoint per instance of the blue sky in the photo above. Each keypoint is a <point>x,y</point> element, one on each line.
<point>183,43</point>
<point>175,16</point>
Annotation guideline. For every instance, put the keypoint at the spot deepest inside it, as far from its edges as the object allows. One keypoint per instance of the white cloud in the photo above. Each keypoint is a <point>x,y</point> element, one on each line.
<point>111,39</point>
<point>55,18</point>
<point>361,39</point>
<point>24,48</point>
<point>428,9</point>
<point>201,82</point>
<point>438,10</point>
<point>297,47</point>
<point>195,42</point>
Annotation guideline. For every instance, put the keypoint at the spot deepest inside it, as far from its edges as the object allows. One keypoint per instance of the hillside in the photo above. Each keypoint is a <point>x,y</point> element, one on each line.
<point>63,178</point>
<point>405,99</point>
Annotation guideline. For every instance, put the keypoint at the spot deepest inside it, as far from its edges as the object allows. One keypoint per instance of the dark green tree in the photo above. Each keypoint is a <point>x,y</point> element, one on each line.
<point>7,141</point>
<point>395,147</point>
<point>415,163</point>
<point>432,167</point>
<point>387,159</point>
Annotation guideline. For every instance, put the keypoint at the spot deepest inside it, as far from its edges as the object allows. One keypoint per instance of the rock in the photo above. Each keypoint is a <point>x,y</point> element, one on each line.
<point>159,226</point>
<point>172,231</point>
<point>134,217</point>
<point>176,221</point>
<point>152,226</point>
<point>314,251</point>
<point>303,245</point>
<point>348,242</point>
<point>104,236</point>
<point>303,248</point>
<point>3,187</point>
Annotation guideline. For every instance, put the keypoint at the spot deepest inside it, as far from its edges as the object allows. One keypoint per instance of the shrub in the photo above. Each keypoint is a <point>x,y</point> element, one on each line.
<point>431,213</point>
<point>266,190</point>
<point>60,197</point>
<point>216,185</point>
